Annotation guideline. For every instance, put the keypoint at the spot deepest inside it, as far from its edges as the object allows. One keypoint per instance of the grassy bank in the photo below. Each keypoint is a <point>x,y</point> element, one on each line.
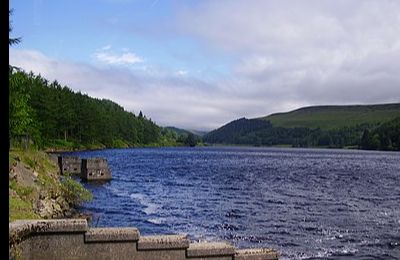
<point>36,189</point>
<point>68,146</point>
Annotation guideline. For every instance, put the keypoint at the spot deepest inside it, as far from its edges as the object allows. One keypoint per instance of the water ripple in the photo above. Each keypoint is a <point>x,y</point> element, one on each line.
<point>306,203</point>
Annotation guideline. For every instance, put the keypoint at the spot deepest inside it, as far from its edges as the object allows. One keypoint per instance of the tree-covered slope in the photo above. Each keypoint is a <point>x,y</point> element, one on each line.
<point>52,115</point>
<point>334,117</point>
<point>237,131</point>
<point>367,127</point>
<point>178,131</point>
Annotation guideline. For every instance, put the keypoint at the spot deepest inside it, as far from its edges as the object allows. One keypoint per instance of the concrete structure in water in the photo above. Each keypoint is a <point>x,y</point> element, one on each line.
<point>70,164</point>
<point>91,169</point>
<point>95,169</point>
<point>73,239</point>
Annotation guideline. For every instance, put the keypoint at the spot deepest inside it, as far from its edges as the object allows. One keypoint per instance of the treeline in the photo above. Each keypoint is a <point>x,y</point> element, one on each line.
<point>261,132</point>
<point>181,137</point>
<point>51,115</point>
<point>384,137</point>
<point>240,131</point>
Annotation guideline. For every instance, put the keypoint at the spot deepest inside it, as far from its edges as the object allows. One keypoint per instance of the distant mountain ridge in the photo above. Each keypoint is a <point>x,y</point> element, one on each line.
<point>198,132</point>
<point>180,131</point>
<point>330,117</point>
<point>365,126</point>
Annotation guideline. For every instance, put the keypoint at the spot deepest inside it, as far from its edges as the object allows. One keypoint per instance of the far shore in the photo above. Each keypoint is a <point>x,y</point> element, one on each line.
<point>283,146</point>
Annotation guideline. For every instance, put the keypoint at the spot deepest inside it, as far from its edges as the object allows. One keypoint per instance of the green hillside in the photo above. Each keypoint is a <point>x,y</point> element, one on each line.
<point>334,117</point>
<point>50,116</point>
<point>180,131</point>
<point>182,136</point>
<point>375,127</point>
<point>198,132</point>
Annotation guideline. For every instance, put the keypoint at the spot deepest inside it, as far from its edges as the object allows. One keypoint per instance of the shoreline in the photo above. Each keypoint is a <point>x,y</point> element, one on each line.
<point>350,148</point>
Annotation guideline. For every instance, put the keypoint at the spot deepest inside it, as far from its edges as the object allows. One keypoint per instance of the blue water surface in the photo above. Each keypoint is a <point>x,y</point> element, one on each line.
<point>306,203</point>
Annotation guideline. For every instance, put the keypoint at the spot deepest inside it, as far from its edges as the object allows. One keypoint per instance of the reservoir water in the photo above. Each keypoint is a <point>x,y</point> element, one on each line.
<point>306,203</point>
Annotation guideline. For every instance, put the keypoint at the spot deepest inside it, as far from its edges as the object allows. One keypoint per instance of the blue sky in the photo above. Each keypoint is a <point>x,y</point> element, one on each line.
<point>74,30</point>
<point>200,64</point>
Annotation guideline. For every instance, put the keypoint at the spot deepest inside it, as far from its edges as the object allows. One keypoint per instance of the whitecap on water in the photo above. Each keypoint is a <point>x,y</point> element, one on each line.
<point>118,193</point>
<point>137,196</point>
<point>157,221</point>
<point>150,207</point>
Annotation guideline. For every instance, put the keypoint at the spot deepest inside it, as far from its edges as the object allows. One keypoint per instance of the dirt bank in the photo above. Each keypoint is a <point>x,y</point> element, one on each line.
<point>36,189</point>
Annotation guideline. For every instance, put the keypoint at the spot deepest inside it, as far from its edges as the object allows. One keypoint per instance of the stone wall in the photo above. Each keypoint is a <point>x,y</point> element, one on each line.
<point>69,164</point>
<point>91,169</point>
<point>95,169</point>
<point>73,239</point>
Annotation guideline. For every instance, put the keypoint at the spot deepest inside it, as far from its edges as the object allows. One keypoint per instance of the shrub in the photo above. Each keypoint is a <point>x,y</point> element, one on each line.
<point>73,191</point>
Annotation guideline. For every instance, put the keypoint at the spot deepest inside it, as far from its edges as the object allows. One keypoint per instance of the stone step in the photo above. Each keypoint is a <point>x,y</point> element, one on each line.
<point>161,242</point>
<point>210,249</point>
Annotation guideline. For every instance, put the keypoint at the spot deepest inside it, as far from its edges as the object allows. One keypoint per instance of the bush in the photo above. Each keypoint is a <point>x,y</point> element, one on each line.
<point>73,191</point>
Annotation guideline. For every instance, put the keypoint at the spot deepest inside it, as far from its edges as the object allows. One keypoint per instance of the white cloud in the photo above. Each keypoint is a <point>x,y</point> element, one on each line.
<point>308,52</point>
<point>105,55</point>
<point>181,72</point>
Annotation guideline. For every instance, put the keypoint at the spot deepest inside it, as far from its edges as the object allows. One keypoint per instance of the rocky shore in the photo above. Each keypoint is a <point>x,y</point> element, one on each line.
<point>38,191</point>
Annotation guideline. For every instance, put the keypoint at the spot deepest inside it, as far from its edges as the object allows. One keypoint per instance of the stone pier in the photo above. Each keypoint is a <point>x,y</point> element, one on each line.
<point>95,169</point>
<point>91,169</point>
<point>69,165</point>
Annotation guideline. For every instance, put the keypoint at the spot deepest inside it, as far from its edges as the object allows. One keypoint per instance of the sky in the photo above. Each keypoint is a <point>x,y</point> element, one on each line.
<point>199,64</point>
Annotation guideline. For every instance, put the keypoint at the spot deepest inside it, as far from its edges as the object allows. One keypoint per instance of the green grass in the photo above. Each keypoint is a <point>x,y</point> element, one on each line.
<point>334,117</point>
<point>20,209</point>
<point>118,143</point>
<point>34,159</point>
<point>94,146</point>
<point>75,191</point>
<point>12,158</point>
<point>61,144</point>
<point>20,190</point>
<point>48,181</point>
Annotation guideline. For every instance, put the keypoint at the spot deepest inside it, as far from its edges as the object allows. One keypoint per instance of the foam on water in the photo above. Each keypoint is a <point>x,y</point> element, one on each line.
<point>117,192</point>
<point>156,221</point>
<point>149,207</point>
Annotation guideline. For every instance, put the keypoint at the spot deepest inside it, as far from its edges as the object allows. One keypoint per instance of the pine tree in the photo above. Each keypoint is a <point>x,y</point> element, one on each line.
<point>12,41</point>
<point>191,140</point>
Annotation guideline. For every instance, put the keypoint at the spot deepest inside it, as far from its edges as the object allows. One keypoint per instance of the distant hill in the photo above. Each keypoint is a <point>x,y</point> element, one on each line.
<point>364,126</point>
<point>180,131</point>
<point>237,131</point>
<point>197,132</point>
<point>331,117</point>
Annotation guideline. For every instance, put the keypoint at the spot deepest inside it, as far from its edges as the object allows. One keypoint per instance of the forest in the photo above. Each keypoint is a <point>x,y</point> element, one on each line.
<point>385,136</point>
<point>48,115</point>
